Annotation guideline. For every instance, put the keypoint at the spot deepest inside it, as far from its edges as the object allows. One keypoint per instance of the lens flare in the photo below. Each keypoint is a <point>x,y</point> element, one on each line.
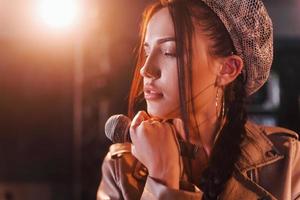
<point>58,13</point>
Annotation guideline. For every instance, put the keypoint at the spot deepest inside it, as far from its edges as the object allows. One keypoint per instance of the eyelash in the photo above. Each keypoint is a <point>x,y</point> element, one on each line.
<point>165,53</point>
<point>170,54</point>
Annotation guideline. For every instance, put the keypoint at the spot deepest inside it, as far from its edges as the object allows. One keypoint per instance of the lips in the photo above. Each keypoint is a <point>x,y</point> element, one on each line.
<point>152,93</point>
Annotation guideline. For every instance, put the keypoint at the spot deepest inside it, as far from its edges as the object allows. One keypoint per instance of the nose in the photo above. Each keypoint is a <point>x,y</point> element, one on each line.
<point>150,70</point>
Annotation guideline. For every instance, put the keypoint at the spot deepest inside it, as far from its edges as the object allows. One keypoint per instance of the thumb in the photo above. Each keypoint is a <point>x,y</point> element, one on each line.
<point>179,126</point>
<point>139,118</point>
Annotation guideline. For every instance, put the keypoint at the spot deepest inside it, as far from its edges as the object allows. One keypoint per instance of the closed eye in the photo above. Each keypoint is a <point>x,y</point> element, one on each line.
<point>170,54</point>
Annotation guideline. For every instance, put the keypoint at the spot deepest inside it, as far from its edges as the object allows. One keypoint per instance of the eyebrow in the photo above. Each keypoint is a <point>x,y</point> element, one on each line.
<point>162,40</point>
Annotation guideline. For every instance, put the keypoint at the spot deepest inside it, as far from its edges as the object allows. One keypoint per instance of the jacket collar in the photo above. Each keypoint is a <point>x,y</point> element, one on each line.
<point>257,149</point>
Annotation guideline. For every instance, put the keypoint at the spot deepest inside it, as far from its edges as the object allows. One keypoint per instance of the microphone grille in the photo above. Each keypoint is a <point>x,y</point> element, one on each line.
<point>117,127</point>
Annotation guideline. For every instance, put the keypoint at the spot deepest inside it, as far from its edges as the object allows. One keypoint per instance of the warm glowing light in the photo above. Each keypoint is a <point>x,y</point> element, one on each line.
<point>58,13</point>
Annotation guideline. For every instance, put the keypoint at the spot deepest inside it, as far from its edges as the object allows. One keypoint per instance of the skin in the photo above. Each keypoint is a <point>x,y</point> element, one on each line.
<point>159,152</point>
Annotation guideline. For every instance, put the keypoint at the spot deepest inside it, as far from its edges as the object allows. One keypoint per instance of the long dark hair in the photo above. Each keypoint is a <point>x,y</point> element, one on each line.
<point>186,14</point>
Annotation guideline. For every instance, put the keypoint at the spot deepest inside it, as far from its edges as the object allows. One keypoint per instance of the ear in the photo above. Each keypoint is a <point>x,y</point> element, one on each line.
<point>231,67</point>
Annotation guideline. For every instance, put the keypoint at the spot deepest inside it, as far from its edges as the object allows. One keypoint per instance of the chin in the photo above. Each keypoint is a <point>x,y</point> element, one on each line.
<point>162,113</point>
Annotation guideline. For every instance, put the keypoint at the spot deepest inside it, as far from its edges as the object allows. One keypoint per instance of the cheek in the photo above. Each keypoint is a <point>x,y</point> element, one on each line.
<point>203,78</point>
<point>203,88</point>
<point>172,102</point>
<point>170,82</point>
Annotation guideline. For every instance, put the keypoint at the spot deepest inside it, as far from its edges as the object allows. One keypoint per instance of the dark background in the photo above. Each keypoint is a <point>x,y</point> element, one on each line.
<point>43,153</point>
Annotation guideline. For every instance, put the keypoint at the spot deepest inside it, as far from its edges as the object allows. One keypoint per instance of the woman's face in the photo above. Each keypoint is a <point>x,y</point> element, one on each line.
<point>160,75</point>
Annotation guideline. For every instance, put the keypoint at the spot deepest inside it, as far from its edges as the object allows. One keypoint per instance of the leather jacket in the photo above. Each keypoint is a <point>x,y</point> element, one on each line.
<point>268,169</point>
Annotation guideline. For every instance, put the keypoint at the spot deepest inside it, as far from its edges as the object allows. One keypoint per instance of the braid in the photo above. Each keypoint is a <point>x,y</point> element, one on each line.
<point>219,170</point>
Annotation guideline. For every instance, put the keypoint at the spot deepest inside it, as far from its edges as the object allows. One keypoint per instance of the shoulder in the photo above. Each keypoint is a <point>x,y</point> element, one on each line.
<point>275,151</point>
<point>279,132</point>
<point>282,139</point>
<point>266,141</point>
<point>270,132</point>
<point>287,141</point>
<point>281,136</point>
<point>263,145</point>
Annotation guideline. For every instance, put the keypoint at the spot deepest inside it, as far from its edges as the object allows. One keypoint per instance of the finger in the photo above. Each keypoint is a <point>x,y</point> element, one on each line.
<point>155,118</point>
<point>179,126</point>
<point>139,118</point>
<point>152,120</point>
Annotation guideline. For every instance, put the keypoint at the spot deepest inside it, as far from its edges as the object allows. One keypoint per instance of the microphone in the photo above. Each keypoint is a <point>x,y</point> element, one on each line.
<point>117,128</point>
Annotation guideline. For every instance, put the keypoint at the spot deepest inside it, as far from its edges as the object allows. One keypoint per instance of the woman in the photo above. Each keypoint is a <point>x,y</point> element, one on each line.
<point>198,62</point>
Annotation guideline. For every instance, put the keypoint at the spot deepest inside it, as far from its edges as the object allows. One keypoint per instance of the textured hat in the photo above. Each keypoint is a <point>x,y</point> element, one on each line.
<point>251,31</point>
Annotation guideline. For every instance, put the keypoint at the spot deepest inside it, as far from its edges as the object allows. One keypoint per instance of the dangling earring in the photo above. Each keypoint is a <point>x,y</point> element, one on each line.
<point>223,106</point>
<point>221,113</point>
<point>217,102</point>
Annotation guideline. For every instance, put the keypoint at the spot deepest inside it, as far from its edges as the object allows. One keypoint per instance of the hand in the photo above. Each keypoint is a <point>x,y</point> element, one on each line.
<point>155,145</point>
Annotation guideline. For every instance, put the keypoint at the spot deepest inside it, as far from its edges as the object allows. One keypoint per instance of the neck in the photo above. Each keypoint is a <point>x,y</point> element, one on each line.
<point>203,134</point>
<point>205,125</point>
<point>205,128</point>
